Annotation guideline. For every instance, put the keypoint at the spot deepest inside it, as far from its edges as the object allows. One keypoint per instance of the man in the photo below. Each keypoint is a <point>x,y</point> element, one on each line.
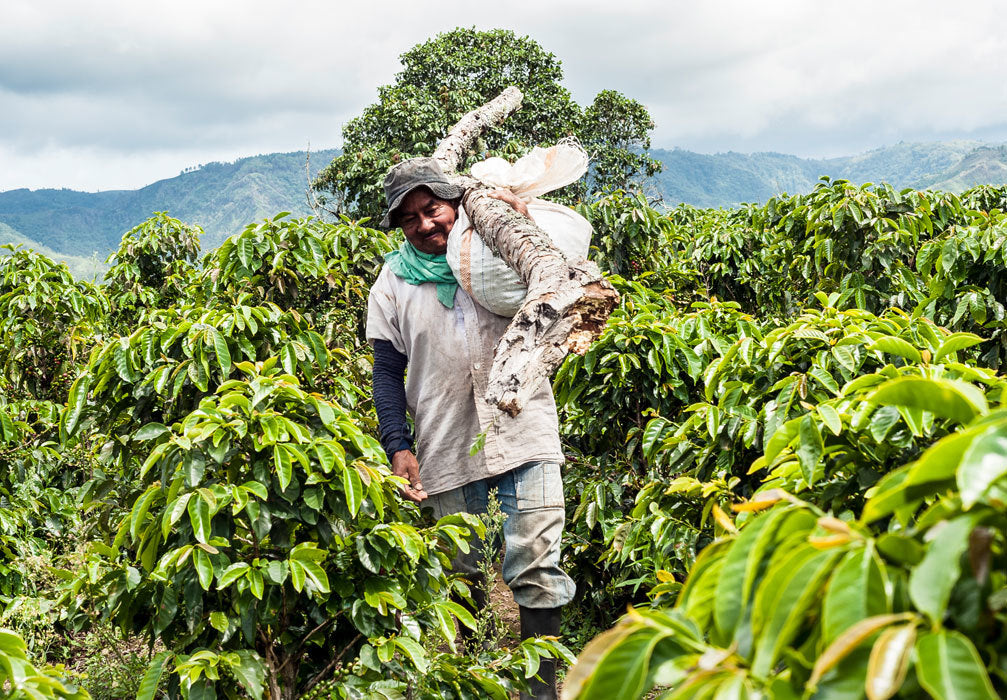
<point>419,317</point>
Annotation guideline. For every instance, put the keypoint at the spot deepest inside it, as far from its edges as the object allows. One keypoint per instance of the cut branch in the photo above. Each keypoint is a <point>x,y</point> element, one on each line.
<point>450,152</point>
<point>568,302</point>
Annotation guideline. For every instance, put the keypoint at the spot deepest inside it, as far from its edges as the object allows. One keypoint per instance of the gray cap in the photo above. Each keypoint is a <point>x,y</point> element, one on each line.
<point>406,176</point>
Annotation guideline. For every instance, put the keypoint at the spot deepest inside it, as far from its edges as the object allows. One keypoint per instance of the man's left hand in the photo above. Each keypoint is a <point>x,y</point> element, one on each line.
<point>516,203</point>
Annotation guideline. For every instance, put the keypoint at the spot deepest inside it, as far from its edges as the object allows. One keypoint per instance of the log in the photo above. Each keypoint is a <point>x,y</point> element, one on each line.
<point>568,302</point>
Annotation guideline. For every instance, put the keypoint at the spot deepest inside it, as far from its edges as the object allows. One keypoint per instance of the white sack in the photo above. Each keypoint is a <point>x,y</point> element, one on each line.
<point>486,277</point>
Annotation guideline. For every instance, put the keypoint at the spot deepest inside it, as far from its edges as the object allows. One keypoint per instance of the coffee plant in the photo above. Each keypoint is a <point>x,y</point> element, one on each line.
<point>785,454</point>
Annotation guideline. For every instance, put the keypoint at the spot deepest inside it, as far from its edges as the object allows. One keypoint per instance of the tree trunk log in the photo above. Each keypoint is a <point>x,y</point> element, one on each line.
<point>568,302</point>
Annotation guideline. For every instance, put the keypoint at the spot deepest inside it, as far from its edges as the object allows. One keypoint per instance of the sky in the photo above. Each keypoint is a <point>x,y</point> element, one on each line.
<point>116,94</point>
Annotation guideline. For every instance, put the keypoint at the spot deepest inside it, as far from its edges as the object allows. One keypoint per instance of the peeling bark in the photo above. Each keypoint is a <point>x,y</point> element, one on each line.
<point>568,302</point>
<point>450,152</point>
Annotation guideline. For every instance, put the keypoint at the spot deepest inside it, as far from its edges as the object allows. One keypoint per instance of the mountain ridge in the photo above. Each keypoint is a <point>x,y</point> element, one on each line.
<point>220,197</point>
<point>82,227</point>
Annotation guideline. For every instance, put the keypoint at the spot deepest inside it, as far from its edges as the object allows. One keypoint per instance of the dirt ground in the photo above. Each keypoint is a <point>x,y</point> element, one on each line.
<point>503,602</point>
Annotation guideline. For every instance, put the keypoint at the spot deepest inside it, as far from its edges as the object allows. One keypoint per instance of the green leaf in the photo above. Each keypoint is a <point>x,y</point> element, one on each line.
<point>284,467</point>
<point>152,678</point>
<point>75,403</point>
<point>353,488</point>
<point>445,623</point>
<point>956,342</point>
<point>846,643</point>
<point>651,435</point>
<point>949,398</point>
<point>218,620</point>
<point>831,418</point>
<point>949,667</point>
<point>288,358</point>
<point>255,583</point>
<point>800,587</point>
<point>809,448</point>
<point>258,489</point>
<point>297,574</point>
<point>232,574</point>
<point>614,665</point>
<point>931,582</point>
<point>250,672</point>
<point>464,616</point>
<point>246,249</point>
<point>317,575</point>
<point>199,516</point>
<point>151,431</point>
<point>825,379</point>
<point>892,494</point>
<point>940,461</point>
<point>983,464</point>
<point>977,307</point>
<point>140,509</point>
<point>882,422</point>
<point>896,346</point>
<point>415,653</point>
<point>781,438</point>
<point>737,575</point>
<point>204,568</point>
<point>166,610</point>
<point>856,591</point>
<point>222,352</point>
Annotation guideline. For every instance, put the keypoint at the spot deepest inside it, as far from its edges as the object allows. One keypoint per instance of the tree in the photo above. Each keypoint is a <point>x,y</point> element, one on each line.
<point>151,267</point>
<point>616,132</point>
<point>454,73</point>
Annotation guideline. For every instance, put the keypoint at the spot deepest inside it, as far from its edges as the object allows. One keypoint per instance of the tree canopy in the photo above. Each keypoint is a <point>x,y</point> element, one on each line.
<point>457,71</point>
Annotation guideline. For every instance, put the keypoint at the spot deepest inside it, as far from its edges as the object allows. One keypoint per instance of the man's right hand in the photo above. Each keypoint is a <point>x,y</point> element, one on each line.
<point>404,464</point>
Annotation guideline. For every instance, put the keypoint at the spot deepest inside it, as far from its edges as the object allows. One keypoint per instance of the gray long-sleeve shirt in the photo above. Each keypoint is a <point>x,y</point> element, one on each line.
<point>450,353</point>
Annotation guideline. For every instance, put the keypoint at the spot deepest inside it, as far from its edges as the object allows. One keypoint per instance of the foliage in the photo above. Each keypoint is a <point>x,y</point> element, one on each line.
<point>901,598</point>
<point>197,470</point>
<point>47,321</point>
<point>240,517</point>
<point>458,71</point>
<point>616,131</point>
<point>151,267</point>
<point>741,410</point>
<point>265,537</point>
<point>21,680</point>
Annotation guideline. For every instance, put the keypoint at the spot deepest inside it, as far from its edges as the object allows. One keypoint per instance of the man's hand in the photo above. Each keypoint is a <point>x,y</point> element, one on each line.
<point>404,464</point>
<point>517,204</point>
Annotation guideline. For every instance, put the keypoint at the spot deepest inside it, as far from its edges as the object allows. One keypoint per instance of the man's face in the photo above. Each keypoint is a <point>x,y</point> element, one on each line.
<point>426,221</point>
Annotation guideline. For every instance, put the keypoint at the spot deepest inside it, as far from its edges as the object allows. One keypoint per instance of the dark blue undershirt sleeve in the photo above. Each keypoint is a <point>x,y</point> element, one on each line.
<point>390,398</point>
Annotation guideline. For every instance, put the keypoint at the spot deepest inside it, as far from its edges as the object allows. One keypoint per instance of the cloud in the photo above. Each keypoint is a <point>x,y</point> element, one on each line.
<point>118,94</point>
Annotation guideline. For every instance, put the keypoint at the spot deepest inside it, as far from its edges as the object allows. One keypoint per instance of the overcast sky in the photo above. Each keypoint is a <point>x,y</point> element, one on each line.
<point>108,94</point>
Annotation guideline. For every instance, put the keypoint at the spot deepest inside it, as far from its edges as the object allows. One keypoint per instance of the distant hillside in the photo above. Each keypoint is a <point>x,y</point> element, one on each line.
<point>730,178</point>
<point>725,179</point>
<point>82,227</point>
<point>91,268</point>
<point>220,197</point>
<point>984,165</point>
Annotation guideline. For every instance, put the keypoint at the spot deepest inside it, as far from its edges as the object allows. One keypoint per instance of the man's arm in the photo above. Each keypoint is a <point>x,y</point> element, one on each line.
<point>390,405</point>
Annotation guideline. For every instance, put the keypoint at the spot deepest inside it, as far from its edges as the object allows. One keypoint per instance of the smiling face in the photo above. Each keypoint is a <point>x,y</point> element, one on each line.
<point>426,220</point>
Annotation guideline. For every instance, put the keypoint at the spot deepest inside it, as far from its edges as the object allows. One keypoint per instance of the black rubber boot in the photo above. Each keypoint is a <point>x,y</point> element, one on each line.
<point>540,622</point>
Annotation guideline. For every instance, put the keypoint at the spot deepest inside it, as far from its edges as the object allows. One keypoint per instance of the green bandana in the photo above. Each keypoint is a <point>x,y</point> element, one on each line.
<point>416,267</point>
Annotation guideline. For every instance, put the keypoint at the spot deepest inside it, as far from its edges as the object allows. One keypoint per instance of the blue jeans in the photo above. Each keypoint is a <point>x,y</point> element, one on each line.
<point>531,496</point>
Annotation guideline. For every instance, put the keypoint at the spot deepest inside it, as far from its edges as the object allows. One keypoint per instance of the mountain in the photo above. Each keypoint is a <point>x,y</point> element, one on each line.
<point>729,178</point>
<point>220,197</point>
<point>984,165</point>
<point>82,268</point>
<point>725,179</point>
<point>82,228</point>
